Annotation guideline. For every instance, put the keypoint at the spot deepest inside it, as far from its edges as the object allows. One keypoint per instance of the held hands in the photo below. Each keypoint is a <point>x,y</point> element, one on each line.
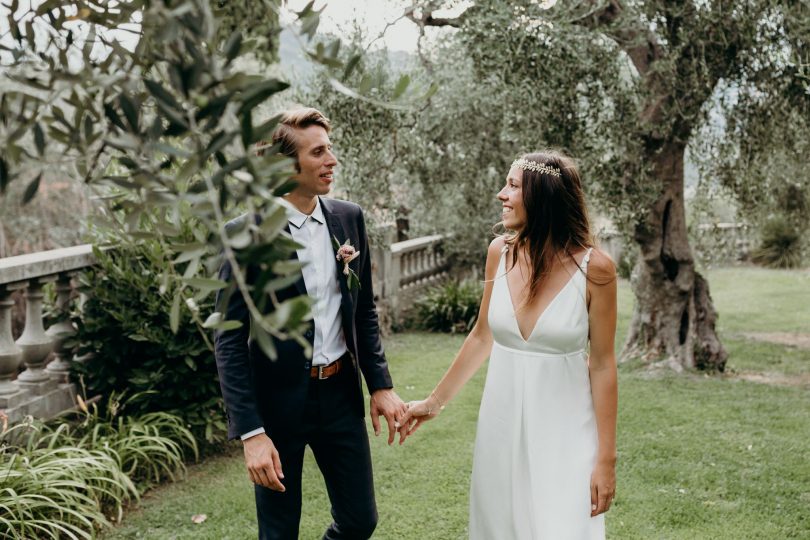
<point>263,462</point>
<point>385,402</point>
<point>603,487</point>
<point>417,414</point>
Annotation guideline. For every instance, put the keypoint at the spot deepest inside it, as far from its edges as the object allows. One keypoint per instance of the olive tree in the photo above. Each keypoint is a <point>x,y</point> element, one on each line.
<point>147,99</point>
<point>626,86</point>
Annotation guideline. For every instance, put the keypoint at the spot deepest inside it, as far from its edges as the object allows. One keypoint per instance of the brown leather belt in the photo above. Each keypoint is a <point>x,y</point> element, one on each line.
<point>324,372</point>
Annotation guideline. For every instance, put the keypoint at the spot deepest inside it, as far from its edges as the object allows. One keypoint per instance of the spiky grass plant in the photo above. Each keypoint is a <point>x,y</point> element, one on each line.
<point>57,490</point>
<point>65,479</point>
<point>781,245</point>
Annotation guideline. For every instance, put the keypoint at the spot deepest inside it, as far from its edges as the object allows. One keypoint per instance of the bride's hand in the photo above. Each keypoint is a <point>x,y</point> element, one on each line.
<point>417,413</point>
<point>603,487</point>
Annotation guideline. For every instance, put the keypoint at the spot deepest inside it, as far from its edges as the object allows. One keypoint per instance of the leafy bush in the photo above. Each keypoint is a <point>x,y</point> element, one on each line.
<point>63,480</point>
<point>126,323</point>
<point>452,307</point>
<point>781,245</point>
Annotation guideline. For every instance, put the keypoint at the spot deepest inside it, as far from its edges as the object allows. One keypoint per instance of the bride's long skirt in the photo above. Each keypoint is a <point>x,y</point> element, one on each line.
<point>534,449</point>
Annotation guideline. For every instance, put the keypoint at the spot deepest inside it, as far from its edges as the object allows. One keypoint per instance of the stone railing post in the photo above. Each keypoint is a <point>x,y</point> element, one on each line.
<point>392,283</point>
<point>381,262</point>
<point>36,345</point>
<point>10,353</point>
<point>59,368</point>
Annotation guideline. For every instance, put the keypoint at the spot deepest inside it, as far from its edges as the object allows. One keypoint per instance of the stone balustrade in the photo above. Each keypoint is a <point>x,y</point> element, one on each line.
<point>42,389</point>
<point>403,270</point>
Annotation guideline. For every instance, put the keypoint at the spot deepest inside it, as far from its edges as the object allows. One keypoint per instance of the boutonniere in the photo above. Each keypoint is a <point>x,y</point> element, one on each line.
<point>346,254</point>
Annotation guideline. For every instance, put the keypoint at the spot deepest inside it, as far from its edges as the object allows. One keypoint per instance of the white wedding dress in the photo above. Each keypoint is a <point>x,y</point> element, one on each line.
<point>536,441</point>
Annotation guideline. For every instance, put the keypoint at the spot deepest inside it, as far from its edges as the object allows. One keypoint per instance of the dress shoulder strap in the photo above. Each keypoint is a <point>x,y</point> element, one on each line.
<point>584,264</point>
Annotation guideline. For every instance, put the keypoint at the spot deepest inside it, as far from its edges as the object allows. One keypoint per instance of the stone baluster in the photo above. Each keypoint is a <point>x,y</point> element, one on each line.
<point>59,368</point>
<point>10,353</point>
<point>393,285</point>
<point>406,265</point>
<point>424,255</point>
<point>36,345</point>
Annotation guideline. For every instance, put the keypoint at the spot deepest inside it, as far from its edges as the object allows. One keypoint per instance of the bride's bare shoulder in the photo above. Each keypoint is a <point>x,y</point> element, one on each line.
<point>601,267</point>
<point>494,255</point>
<point>496,246</point>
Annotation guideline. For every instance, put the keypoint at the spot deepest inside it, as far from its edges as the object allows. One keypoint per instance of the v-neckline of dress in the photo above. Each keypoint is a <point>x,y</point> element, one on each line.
<point>545,309</point>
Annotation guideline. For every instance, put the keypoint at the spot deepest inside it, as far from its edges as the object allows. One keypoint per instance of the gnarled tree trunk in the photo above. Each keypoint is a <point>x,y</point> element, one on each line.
<point>674,319</point>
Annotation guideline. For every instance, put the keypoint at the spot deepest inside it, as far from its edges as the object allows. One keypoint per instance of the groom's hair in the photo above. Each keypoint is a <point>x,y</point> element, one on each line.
<point>292,120</point>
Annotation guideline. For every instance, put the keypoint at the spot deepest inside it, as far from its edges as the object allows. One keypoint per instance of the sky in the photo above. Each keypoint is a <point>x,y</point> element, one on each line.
<point>372,15</point>
<point>338,17</point>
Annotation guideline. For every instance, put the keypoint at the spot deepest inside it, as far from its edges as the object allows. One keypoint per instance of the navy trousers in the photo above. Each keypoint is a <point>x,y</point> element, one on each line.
<point>339,440</point>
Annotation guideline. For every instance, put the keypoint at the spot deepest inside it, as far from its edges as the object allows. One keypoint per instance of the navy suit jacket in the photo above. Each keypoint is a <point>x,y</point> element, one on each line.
<point>260,392</point>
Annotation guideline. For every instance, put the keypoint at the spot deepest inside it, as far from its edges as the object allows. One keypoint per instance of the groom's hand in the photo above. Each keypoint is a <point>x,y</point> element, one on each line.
<point>387,403</point>
<point>263,462</point>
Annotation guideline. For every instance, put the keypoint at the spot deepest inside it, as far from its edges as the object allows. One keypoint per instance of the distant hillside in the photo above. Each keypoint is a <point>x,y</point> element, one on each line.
<point>296,66</point>
<point>294,62</point>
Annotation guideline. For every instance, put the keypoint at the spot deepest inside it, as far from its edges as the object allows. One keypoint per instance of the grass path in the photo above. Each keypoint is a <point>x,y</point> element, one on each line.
<point>699,456</point>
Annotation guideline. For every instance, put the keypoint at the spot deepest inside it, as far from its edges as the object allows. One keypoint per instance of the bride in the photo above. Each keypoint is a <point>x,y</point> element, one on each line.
<point>545,448</point>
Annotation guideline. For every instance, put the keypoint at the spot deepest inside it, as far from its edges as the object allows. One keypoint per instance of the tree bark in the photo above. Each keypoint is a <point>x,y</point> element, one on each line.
<point>674,318</point>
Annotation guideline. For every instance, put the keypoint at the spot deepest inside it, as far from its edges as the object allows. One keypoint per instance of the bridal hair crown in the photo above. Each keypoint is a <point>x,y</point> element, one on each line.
<point>527,165</point>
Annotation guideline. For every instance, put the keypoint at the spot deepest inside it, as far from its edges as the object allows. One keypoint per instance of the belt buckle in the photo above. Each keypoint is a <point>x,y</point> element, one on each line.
<point>320,373</point>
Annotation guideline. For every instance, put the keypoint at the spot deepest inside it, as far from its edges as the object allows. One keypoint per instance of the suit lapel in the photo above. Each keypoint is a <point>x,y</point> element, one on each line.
<point>336,230</point>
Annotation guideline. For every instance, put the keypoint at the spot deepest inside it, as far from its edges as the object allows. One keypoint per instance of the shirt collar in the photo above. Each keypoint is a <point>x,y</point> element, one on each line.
<point>298,218</point>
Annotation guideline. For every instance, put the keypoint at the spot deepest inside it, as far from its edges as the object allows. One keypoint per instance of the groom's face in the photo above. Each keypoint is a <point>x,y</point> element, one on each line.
<point>316,160</point>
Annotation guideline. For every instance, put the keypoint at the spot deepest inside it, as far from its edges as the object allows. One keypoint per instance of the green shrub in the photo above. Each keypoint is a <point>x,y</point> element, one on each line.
<point>781,245</point>
<point>452,307</point>
<point>64,479</point>
<point>125,324</point>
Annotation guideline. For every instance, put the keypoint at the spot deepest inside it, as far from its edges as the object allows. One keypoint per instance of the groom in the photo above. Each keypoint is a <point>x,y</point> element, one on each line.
<point>279,407</point>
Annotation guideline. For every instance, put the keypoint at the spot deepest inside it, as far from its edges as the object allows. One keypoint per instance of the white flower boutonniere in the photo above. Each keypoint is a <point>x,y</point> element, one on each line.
<point>346,254</point>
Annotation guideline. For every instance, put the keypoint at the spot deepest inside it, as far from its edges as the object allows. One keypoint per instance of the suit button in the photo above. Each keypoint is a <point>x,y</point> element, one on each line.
<point>308,334</point>
<point>307,365</point>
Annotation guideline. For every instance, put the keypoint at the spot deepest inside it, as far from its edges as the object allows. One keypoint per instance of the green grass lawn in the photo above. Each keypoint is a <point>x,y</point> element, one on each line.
<point>700,457</point>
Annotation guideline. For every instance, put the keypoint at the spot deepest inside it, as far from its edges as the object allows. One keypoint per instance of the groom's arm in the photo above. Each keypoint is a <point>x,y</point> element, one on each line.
<point>235,378</point>
<point>371,355</point>
<point>233,363</point>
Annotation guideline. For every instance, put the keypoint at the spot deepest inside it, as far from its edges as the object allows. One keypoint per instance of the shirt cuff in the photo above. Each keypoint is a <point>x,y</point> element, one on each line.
<point>250,434</point>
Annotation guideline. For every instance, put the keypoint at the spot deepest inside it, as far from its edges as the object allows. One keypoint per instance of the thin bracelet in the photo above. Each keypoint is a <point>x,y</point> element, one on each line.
<point>441,407</point>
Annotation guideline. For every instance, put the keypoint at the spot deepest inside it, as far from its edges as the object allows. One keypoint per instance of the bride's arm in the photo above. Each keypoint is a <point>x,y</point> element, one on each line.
<point>602,369</point>
<point>470,357</point>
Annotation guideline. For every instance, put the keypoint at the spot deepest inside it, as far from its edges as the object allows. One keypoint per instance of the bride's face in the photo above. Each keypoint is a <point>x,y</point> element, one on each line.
<point>511,197</point>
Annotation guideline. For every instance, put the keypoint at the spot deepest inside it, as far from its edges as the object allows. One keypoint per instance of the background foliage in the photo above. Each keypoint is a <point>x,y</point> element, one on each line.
<point>438,166</point>
<point>126,331</point>
<point>451,307</point>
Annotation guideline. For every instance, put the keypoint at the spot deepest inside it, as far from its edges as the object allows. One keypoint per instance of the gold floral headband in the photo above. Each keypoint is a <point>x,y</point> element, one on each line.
<point>527,165</point>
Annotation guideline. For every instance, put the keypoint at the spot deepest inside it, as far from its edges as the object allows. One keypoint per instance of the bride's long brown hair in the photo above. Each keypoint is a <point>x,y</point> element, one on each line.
<point>557,221</point>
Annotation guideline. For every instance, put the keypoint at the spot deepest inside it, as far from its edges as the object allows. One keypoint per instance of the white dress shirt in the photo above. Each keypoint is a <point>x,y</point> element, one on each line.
<point>320,278</point>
